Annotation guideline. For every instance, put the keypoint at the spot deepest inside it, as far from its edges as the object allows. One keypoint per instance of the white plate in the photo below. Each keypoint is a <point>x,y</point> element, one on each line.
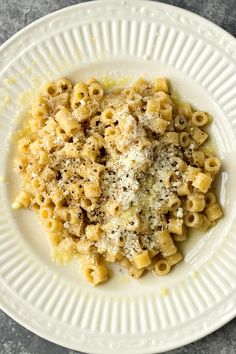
<point>125,39</point>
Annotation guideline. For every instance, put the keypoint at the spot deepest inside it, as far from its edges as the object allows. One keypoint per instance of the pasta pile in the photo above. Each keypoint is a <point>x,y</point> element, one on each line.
<point>118,176</point>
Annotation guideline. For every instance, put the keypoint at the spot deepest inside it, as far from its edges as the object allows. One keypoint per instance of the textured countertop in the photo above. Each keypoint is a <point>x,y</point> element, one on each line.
<point>16,14</point>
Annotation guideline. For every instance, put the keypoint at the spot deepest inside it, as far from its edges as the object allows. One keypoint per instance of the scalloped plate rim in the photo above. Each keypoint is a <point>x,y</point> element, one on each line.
<point>11,41</point>
<point>14,37</point>
<point>180,344</point>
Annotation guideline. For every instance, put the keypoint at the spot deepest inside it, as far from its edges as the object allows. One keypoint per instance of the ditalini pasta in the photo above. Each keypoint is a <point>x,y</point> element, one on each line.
<point>117,176</point>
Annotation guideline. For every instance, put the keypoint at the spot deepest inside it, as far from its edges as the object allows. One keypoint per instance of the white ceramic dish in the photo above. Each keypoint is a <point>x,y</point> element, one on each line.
<point>125,39</point>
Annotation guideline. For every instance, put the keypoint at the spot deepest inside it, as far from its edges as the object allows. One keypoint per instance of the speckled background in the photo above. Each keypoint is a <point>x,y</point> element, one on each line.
<point>16,14</point>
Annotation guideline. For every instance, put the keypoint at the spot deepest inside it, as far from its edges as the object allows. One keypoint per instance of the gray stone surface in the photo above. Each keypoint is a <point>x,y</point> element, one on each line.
<point>16,14</point>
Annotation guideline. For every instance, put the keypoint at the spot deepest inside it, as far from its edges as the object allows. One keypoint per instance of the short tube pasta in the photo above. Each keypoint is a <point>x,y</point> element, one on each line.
<point>161,84</point>
<point>95,274</point>
<point>198,158</point>
<point>67,122</point>
<point>193,220</point>
<point>184,189</point>
<point>159,126</point>
<point>186,110</point>
<point>63,85</point>
<point>51,89</point>
<point>162,267</point>
<point>23,200</point>
<point>210,199</point>
<point>171,138</point>
<point>166,112</point>
<point>191,173</point>
<point>45,213</point>
<point>165,242</point>
<point>184,139</point>
<point>213,212</point>
<point>153,106</point>
<point>179,163</point>
<point>199,135</point>
<point>95,90</point>
<point>195,202</point>
<point>53,225</point>
<point>80,92</point>
<point>140,86</point>
<point>212,165</point>
<point>202,182</point>
<point>107,117</point>
<point>142,260</point>
<point>180,123</point>
<point>175,226</point>
<point>206,223</point>
<point>173,203</point>
<point>199,118</point>
<point>174,259</point>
